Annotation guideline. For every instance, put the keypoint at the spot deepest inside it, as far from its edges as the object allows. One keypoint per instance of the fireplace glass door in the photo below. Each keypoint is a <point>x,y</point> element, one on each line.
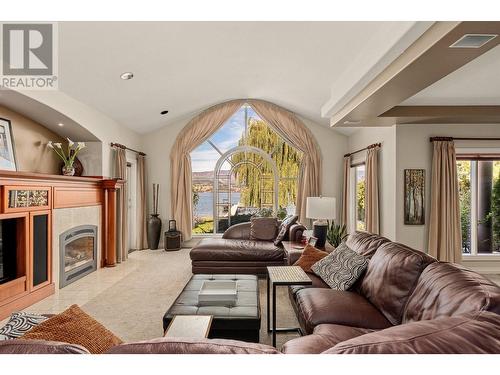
<point>78,248</point>
<point>78,252</point>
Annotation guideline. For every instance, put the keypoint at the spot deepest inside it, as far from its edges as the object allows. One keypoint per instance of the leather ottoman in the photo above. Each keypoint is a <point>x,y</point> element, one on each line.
<point>238,322</point>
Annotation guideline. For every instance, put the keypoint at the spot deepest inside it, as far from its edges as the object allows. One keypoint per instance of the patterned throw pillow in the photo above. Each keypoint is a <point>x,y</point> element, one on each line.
<point>284,228</point>
<point>309,256</point>
<point>20,323</point>
<point>341,268</point>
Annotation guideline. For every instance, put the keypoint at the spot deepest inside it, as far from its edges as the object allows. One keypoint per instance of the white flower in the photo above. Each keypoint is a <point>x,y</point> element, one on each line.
<point>50,144</point>
<point>58,145</point>
<point>81,145</point>
<point>70,142</point>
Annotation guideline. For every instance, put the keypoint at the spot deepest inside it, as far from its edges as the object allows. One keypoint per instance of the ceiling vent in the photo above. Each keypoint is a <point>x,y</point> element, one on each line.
<point>473,40</point>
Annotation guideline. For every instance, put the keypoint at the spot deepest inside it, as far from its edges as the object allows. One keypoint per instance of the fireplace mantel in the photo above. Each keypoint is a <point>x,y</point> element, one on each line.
<point>25,197</point>
<point>42,177</point>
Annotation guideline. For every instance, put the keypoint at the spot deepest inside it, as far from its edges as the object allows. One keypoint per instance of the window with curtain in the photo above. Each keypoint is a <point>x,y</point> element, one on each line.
<point>479,192</point>
<point>357,198</point>
<point>244,169</point>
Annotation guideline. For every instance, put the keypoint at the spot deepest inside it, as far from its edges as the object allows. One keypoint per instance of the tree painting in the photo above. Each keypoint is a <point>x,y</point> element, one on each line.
<point>414,196</point>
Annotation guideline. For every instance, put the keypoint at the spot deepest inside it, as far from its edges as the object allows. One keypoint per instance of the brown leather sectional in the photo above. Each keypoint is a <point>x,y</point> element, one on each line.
<point>236,253</point>
<point>407,302</point>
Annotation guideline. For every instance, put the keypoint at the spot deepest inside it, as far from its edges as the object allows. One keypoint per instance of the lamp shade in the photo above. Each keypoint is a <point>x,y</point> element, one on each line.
<point>320,208</point>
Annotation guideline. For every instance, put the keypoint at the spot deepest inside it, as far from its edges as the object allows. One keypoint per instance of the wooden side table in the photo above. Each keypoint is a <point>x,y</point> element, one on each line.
<point>192,326</point>
<point>282,276</point>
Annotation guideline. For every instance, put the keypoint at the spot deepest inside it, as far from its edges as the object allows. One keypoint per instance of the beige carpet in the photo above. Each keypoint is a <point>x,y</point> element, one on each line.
<point>130,299</point>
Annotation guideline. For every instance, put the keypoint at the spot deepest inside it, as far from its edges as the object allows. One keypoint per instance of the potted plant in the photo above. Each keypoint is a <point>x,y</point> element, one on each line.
<point>69,156</point>
<point>336,233</point>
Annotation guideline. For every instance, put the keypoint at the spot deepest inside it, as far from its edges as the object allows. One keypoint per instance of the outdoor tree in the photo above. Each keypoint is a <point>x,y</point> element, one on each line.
<point>257,183</point>
<point>495,212</point>
<point>360,204</point>
<point>464,191</point>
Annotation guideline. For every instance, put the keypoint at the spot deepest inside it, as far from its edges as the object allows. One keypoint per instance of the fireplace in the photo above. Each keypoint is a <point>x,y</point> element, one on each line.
<point>78,253</point>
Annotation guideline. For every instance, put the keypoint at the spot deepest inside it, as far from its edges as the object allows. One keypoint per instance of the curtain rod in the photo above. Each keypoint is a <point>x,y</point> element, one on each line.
<point>363,149</point>
<point>126,148</point>
<point>434,139</point>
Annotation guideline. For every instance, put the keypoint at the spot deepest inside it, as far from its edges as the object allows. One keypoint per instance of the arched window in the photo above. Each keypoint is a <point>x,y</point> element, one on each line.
<point>244,169</point>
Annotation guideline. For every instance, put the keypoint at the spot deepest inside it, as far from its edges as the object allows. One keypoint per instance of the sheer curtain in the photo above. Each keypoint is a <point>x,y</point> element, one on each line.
<point>122,206</point>
<point>200,128</point>
<point>445,239</point>
<point>141,202</point>
<point>372,214</point>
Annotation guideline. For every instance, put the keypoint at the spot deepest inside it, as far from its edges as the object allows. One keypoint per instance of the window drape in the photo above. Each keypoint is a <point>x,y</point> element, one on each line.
<point>372,213</point>
<point>296,133</point>
<point>196,132</point>
<point>122,206</point>
<point>142,242</point>
<point>344,217</point>
<point>200,128</point>
<point>445,239</point>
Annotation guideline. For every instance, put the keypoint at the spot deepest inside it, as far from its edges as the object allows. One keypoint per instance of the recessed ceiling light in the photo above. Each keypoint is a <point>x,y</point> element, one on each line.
<point>473,40</point>
<point>60,124</point>
<point>352,122</point>
<point>164,112</point>
<point>127,75</point>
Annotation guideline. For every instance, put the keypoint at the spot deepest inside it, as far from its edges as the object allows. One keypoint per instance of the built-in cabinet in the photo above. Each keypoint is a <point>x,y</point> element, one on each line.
<point>40,250</point>
<point>27,201</point>
<point>26,258</point>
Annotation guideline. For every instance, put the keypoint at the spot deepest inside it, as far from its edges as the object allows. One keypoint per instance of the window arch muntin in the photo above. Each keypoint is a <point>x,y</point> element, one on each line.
<point>226,157</point>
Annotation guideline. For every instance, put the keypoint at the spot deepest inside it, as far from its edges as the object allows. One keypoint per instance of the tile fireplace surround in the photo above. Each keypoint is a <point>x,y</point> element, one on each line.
<point>64,219</point>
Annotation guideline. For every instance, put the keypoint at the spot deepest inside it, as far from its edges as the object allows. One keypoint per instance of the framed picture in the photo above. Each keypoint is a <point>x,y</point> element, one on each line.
<point>7,155</point>
<point>312,241</point>
<point>414,196</point>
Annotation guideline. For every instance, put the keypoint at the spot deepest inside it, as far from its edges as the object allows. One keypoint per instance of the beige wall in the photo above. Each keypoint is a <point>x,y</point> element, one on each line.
<point>103,127</point>
<point>158,144</point>
<point>408,147</point>
<point>30,144</point>
<point>387,164</point>
<point>415,151</point>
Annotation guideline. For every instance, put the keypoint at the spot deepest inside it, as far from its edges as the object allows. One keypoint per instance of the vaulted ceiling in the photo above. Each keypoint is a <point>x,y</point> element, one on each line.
<point>184,67</point>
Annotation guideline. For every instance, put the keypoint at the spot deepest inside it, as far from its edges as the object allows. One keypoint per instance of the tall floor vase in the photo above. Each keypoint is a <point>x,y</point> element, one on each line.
<point>154,222</point>
<point>154,231</point>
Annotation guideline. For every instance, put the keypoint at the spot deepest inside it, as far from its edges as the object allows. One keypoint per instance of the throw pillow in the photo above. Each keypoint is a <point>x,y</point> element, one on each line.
<point>341,268</point>
<point>309,256</point>
<point>284,228</point>
<point>20,323</point>
<point>74,326</point>
<point>263,228</point>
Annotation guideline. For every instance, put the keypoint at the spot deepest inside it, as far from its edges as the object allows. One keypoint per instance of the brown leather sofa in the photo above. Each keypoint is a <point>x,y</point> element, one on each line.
<point>407,302</point>
<point>405,297</point>
<point>236,253</point>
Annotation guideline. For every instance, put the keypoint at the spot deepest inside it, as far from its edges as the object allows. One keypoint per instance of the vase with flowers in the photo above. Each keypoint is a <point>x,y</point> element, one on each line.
<point>67,156</point>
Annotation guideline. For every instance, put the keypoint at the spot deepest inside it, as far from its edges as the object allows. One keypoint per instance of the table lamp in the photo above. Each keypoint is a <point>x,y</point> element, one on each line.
<point>321,209</point>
